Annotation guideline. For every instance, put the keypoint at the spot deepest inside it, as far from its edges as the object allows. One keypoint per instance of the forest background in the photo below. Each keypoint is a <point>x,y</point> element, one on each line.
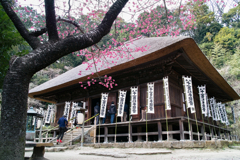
<point>215,30</point>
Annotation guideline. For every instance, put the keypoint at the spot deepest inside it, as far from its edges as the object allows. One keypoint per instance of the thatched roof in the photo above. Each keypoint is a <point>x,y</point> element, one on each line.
<point>156,47</point>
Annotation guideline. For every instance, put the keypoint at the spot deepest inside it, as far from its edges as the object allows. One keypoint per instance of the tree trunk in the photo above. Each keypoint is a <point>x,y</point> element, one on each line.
<point>15,86</point>
<point>14,113</point>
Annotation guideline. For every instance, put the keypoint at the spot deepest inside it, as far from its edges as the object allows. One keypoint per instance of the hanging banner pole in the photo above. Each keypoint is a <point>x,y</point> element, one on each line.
<point>190,137</point>
<point>166,100</point>
<point>120,110</point>
<point>129,139</point>
<point>103,107</point>
<point>197,125</point>
<point>99,130</point>
<point>188,91</point>
<point>167,123</point>
<point>203,126</point>
<point>209,126</point>
<point>150,103</point>
<point>115,139</point>
<point>146,127</point>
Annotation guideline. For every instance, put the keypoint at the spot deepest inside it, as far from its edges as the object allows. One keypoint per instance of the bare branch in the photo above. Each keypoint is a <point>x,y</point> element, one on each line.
<point>76,25</point>
<point>179,10</point>
<point>71,44</point>
<point>71,22</point>
<point>165,9</point>
<point>31,40</point>
<point>38,32</point>
<point>51,20</point>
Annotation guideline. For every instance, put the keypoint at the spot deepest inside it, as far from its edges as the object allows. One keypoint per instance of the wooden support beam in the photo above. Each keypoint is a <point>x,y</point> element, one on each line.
<point>219,133</point>
<point>139,130</point>
<point>191,132</point>
<point>159,131</point>
<point>105,134</point>
<point>225,134</point>
<point>202,131</point>
<point>169,130</point>
<point>181,128</point>
<point>212,133</point>
<point>130,134</point>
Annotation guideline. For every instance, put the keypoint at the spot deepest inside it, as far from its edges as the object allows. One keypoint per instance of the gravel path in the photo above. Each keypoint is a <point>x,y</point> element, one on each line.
<point>87,153</point>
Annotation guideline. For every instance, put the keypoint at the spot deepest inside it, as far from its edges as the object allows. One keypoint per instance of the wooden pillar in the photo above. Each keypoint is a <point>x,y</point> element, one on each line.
<point>202,131</point>
<point>219,133</point>
<point>130,133</point>
<point>159,131</point>
<point>225,134</point>
<point>181,129</point>
<point>212,132</point>
<point>105,134</point>
<point>54,133</point>
<point>170,129</point>
<point>191,132</point>
<point>89,107</point>
<point>139,130</point>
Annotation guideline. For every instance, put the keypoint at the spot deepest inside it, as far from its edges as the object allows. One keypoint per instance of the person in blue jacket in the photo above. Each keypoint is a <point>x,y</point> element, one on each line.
<point>62,127</point>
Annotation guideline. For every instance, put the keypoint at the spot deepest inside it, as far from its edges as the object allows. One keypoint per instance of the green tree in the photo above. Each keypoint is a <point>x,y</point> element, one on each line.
<point>232,17</point>
<point>204,20</point>
<point>234,64</point>
<point>228,38</point>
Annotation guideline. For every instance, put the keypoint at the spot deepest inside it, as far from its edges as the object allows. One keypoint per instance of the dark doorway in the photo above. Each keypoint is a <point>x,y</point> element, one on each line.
<point>127,101</point>
<point>93,104</point>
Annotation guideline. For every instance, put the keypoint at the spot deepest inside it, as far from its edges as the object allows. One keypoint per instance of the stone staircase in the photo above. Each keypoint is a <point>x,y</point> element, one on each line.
<point>72,137</point>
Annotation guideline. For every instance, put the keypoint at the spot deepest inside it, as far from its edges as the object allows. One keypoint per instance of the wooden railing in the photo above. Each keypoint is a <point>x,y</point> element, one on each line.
<point>51,134</point>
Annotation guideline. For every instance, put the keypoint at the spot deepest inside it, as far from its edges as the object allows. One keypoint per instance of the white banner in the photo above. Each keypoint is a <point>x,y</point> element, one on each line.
<point>121,103</point>
<point>184,106</point>
<point>221,112</point>
<point>213,108</point>
<point>67,109</point>
<point>234,120</point>
<point>208,113</point>
<point>134,101</point>
<point>52,114</point>
<point>166,93</point>
<point>103,107</point>
<point>203,98</point>
<point>73,112</point>
<point>217,112</point>
<point>48,114</point>
<point>188,90</point>
<point>41,111</point>
<point>150,98</point>
<point>225,114</point>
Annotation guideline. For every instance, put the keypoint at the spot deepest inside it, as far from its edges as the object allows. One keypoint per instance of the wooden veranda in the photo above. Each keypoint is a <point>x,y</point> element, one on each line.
<point>178,129</point>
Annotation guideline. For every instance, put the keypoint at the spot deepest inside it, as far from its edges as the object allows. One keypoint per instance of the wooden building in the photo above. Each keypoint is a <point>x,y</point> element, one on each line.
<point>157,57</point>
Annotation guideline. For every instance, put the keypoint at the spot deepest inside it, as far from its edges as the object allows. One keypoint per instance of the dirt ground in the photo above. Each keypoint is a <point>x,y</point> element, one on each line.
<point>132,154</point>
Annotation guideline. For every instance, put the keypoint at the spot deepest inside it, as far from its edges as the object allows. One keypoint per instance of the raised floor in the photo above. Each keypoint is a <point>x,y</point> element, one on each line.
<point>177,128</point>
